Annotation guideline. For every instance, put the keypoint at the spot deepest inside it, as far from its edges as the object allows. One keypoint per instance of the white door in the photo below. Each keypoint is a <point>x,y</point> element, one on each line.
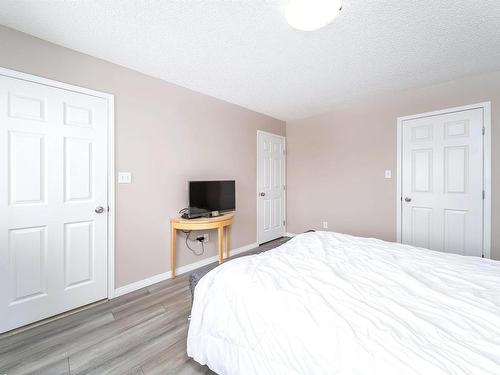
<point>53,171</point>
<point>442,182</point>
<point>270,186</point>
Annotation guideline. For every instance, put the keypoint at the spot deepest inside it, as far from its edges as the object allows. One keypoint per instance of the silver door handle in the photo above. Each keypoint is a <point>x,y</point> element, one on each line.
<point>262,194</point>
<point>99,210</point>
<point>407,199</point>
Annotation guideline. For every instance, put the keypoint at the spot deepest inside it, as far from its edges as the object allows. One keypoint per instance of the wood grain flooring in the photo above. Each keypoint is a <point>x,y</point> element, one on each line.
<point>142,333</point>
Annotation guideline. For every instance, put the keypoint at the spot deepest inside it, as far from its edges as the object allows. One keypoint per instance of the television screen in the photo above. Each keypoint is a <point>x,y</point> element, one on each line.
<point>212,196</point>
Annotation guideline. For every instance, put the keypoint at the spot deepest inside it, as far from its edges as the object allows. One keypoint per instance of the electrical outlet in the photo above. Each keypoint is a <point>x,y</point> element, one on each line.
<point>388,173</point>
<point>325,224</point>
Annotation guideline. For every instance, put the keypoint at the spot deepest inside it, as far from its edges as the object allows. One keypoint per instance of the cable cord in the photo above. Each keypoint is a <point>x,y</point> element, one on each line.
<point>188,233</point>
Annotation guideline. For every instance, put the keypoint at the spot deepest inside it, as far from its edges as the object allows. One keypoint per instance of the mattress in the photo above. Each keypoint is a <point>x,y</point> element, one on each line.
<point>327,303</point>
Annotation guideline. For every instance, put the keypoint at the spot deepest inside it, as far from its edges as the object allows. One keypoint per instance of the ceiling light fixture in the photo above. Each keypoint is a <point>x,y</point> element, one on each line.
<point>309,15</point>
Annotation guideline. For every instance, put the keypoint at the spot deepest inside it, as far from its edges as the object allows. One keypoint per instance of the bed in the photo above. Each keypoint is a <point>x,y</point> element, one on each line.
<point>328,303</point>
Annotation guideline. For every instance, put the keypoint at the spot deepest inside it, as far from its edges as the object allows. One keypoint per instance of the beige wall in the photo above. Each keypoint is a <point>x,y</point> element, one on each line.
<point>336,161</point>
<point>165,135</point>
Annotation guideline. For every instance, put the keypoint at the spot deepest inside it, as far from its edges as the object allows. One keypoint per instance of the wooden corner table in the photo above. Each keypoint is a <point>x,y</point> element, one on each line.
<point>221,223</point>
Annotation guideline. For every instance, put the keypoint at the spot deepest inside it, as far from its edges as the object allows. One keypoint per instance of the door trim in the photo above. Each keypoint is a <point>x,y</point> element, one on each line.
<point>486,107</point>
<point>257,181</point>
<point>110,98</point>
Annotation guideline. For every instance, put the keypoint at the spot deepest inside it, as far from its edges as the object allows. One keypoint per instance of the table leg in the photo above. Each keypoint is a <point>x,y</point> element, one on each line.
<point>227,241</point>
<point>220,234</point>
<point>172,250</point>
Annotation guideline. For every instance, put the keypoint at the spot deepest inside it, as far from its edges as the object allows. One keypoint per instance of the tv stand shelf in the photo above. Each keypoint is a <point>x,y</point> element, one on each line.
<point>221,223</point>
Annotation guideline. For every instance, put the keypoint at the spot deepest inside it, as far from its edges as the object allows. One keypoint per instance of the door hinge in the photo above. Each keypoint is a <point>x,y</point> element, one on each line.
<point>484,194</point>
<point>484,130</point>
<point>284,187</point>
<point>284,222</point>
<point>284,151</point>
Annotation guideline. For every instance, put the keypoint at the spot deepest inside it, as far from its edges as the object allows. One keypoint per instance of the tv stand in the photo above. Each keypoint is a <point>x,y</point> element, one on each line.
<point>221,223</point>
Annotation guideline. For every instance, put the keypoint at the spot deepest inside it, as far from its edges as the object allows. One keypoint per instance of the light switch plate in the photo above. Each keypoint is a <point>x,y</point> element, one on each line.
<point>388,173</point>
<point>124,177</point>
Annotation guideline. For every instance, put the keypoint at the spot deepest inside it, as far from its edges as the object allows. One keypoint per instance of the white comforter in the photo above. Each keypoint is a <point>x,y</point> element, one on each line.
<point>326,303</point>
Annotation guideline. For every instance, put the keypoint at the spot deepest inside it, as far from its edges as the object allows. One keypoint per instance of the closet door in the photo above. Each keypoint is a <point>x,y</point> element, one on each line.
<point>53,201</point>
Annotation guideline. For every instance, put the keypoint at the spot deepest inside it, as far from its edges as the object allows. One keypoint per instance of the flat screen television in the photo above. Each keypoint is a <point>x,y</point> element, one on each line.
<point>209,197</point>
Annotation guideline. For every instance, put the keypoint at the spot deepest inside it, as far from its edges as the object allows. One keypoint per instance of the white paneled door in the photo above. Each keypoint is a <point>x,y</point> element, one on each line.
<point>53,201</point>
<point>442,182</point>
<point>270,186</point>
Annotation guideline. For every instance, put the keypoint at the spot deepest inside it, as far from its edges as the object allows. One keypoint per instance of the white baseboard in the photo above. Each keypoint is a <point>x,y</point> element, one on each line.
<point>287,234</point>
<point>141,284</point>
<point>215,258</point>
<point>179,271</point>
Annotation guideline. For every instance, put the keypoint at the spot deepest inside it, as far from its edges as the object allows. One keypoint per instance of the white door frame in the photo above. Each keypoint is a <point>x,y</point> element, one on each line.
<point>257,191</point>
<point>486,107</point>
<point>111,157</point>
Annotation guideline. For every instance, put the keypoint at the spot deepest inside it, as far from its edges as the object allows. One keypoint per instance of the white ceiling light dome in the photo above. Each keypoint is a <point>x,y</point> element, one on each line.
<point>309,15</point>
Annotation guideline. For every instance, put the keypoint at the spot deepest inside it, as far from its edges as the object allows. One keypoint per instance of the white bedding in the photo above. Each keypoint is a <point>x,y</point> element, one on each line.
<point>326,303</point>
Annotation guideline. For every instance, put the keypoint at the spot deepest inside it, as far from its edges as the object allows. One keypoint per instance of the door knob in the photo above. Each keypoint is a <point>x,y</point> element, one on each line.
<point>99,210</point>
<point>262,194</point>
<point>407,199</point>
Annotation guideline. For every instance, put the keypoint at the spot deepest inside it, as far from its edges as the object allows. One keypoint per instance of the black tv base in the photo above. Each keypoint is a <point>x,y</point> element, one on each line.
<point>198,215</point>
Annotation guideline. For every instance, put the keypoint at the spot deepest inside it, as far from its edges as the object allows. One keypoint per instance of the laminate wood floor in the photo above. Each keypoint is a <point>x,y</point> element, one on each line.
<point>143,332</point>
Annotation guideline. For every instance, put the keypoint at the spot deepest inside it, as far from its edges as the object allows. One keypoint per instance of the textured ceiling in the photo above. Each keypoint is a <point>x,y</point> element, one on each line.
<point>245,53</point>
